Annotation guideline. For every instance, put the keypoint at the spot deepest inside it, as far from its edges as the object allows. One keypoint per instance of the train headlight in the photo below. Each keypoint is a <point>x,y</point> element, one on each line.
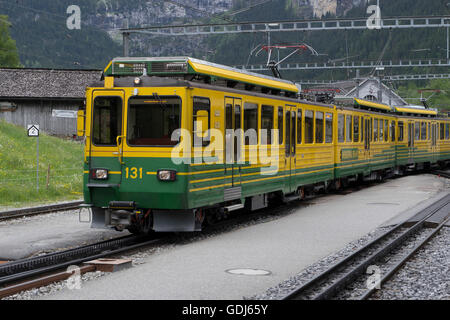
<point>137,81</point>
<point>99,174</point>
<point>167,175</point>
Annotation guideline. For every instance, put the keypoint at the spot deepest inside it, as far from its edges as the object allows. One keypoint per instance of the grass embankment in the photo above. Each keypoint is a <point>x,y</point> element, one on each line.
<point>18,168</point>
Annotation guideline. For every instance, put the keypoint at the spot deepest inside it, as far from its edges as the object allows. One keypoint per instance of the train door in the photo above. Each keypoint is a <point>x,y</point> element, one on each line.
<point>233,143</point>
<point>290,147</point>
<point>411,133</point>
<point>106,137</point>
<point>367,136</point>
<point>434,131</point>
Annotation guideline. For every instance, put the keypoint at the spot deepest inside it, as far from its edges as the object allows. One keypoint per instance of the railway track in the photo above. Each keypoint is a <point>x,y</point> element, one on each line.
<point>20,270</point>
<point>445,174</point>
<point>16,213</point>
<point>347,279</point>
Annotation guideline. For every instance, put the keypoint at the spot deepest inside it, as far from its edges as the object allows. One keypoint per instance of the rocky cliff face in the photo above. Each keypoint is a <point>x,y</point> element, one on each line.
<point>113,14</point>
<point>335,7</point>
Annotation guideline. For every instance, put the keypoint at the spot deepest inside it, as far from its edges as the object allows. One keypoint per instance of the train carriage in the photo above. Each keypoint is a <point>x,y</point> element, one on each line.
<point>172,142</point>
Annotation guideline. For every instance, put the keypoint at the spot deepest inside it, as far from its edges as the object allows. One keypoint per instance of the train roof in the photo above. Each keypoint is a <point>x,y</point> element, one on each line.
<point>186,66</point>
<point>408,110</point>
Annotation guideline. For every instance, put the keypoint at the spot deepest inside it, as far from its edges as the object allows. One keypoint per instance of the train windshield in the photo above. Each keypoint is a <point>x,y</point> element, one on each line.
<point>152,120</point>
<point>107,120</point>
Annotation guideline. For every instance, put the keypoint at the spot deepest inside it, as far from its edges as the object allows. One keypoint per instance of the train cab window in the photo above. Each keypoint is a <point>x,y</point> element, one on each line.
<point>442,131</point>
<point>251,123</point>
<point>356,129</point>
<point>393,131</point>
<point>417,131</point>
<point>201,111</point>
<point>329,128</point>
<point>266,124</point>
<point>375,130</point>
<point>319,127</point>
<point>152,120</point>
<point>401,134</point>
<point>280,125</point>
<point>348,127</point>
<point>107,120</point>
<point>423,131</point>
<point>309,126</point>
<point>341,128</point>
<point>299,126</point>
<point>447,131</point>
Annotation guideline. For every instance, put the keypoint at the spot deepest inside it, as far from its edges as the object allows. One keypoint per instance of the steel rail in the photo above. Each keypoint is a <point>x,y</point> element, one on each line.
<point>25,268</point>
<point>444,174</point>
<point>301,290</point>
<point>16,213</point>
<point>397,266</point>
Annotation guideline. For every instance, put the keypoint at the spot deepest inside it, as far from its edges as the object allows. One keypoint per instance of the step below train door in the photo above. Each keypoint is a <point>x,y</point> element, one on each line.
<point>233,148</point>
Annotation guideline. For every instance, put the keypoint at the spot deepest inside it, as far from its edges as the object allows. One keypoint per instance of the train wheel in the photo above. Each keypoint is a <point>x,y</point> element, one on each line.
<point>301,193</point>
<point>338,184</point>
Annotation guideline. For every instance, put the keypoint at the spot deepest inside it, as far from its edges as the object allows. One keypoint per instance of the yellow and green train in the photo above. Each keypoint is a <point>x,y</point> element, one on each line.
<point>171,142</point>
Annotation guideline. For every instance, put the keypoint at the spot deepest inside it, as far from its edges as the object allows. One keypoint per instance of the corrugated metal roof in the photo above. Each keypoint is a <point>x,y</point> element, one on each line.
<point>45,83</point>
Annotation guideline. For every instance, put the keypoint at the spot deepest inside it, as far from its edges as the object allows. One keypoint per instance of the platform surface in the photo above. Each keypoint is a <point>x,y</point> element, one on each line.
<point>283,247</point>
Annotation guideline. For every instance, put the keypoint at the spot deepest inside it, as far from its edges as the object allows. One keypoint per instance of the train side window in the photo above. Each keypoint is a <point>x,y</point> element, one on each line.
<point>400,131</point>
<point>386,130</point>
<point>309,126</point>
<point>381,128</point>
<point>341,128</point>
<point>299,126</point>
<point>423,131</point>
<point>375,130</point>
<point>348,127</point>
<point>280,125</point>
<point>356,129</point>
<point>442,131</point>
<point>417,131</point>
<point>429,131</point>
<point>329,128</point>
<point>393,131</point>
<point>251,123</point>
<point>447,131</point>
<point>319,127</point>
<point>201,119</point>
<point>266,123</point>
